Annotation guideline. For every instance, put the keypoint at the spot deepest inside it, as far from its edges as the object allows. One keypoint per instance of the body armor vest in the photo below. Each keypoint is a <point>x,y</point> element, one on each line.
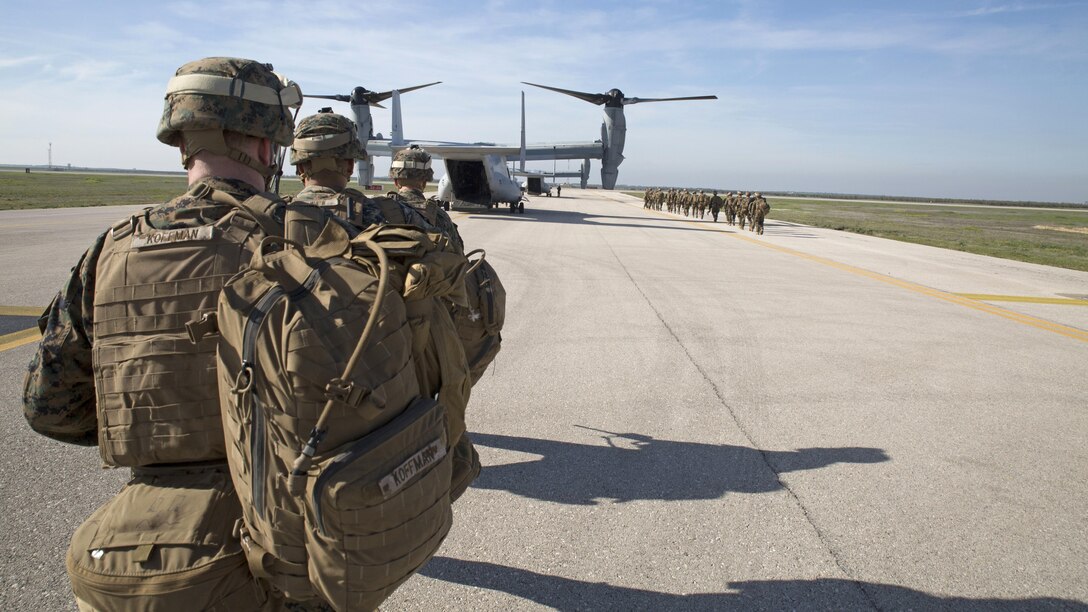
<point>155,389</point>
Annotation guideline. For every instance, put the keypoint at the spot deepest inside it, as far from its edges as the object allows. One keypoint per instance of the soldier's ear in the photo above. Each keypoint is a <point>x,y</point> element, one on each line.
<point>264,151</point>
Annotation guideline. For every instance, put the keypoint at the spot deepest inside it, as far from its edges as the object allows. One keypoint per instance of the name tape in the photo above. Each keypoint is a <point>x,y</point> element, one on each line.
<point>187,234</point>
<point>415,465</point>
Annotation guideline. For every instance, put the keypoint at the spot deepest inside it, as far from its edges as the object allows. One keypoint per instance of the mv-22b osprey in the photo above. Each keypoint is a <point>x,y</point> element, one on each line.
<point>476,173</point>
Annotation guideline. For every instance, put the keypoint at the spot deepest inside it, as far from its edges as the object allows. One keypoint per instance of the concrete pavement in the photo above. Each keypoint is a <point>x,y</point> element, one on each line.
<point>687,417</point>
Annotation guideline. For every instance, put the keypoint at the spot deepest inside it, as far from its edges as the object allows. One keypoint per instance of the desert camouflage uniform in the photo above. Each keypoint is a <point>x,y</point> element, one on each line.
<point>759,210</point>
<point>742,209</point>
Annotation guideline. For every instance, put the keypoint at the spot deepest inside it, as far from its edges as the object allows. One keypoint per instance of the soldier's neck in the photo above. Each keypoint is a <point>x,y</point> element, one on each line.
<point>215,166</point>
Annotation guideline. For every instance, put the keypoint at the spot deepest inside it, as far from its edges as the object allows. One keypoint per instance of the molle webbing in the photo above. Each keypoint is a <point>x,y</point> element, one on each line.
<point>156,391</point>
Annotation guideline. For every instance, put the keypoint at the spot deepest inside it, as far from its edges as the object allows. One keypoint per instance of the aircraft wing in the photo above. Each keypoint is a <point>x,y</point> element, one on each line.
<point>469,151</point>
<point>530,173</point>
<point>443,150</point>
<point>573,150</point>
<point>383,147</point>
<point>536,152</point>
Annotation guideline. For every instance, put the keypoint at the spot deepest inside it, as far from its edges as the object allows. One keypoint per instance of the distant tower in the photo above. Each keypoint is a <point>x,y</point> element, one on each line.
<point>50,156</point>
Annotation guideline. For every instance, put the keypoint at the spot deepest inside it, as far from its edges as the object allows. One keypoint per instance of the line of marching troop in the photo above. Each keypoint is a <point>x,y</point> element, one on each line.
<point>741,207</point>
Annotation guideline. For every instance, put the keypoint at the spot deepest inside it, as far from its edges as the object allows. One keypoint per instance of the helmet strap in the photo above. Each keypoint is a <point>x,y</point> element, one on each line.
<point>326,164</point>
<point>213,142</point>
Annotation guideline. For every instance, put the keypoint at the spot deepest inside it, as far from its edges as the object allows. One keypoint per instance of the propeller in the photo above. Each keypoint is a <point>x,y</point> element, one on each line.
<point>361,95</point>
<point>614,98</point>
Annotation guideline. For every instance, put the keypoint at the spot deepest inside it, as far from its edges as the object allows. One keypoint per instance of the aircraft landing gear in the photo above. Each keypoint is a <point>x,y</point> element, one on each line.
<point>521,207</point>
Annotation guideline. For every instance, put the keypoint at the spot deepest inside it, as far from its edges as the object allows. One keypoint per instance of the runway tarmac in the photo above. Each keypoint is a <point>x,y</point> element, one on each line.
<point>686,416</point>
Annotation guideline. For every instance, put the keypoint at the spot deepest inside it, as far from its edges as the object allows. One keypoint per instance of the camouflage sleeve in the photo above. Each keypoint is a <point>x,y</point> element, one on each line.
<point>416,218</point>
<point>446,224</point>
<point>58,392</point>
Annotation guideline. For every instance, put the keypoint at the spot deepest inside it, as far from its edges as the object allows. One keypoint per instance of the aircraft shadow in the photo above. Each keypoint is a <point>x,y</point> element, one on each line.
<point>817,594</point>
<point>577,218</point>
<point>638,467</point>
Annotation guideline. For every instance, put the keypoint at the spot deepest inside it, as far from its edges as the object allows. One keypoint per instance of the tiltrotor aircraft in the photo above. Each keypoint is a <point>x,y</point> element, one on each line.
<point>477,174</point>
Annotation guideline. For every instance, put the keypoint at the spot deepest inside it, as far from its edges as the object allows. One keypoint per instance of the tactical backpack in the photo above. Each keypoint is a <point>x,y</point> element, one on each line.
<point>342,464</point>
<point>479,323</point>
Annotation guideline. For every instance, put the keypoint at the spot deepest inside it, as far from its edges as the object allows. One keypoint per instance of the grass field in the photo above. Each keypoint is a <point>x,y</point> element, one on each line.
<point>19,190</point>
<point>1049,237</point>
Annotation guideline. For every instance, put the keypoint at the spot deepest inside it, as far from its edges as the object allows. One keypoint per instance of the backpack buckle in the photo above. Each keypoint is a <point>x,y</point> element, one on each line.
<point>207,325</point>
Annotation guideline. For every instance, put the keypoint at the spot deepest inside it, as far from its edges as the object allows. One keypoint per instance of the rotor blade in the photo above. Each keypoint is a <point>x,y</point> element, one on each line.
<point>376,105</point>
<point>338,98</point>
<point>581,95</point>
<point>637,100</point>
<point>385,95</point>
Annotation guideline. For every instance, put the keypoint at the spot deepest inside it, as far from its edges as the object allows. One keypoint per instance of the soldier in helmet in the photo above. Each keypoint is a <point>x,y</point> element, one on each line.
<point>759,208</point>
<point>116,367</point>
<point>715,205</point>
<point>324,152</point>
<point>411,171</point>
<point>742,208</point>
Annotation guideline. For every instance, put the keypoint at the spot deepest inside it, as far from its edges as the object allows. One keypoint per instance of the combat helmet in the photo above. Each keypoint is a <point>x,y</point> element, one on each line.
<point>411,163</point>
<point>324,138</point>
<point>214,94</point>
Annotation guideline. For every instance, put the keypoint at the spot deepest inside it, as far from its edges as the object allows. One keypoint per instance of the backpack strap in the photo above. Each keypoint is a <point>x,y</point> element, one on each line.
<point>264,208</point>
<point>392,210</point>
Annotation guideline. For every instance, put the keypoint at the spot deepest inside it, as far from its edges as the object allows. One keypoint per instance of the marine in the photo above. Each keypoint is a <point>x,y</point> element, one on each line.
<point>759,210</point>
<point>715,205</point>
<point>116,367</point>
<point>411,171</point>
<point>324,153</point>
<point>742,208</point>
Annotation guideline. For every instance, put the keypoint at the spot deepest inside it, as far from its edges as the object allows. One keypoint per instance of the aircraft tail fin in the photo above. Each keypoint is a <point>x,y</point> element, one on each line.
<point>522,166</point>
<point>397,136</point>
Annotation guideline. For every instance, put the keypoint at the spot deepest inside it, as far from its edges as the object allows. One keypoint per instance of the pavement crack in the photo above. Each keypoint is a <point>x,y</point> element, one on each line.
<point>749,438</point>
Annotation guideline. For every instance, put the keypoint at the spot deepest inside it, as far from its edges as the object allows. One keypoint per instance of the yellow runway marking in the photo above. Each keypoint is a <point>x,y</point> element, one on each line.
<point>985,297</point>
<point>20,338</point>
<point>974,303</point>
<point>20,311</point>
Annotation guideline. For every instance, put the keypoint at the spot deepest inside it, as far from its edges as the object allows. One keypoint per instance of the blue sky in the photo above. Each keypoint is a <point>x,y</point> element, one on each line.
<point>953,98</point>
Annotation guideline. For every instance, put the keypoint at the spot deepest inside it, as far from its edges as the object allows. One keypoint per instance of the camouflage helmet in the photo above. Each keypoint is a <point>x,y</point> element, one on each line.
<point>228,93</point>
<point>411,163</point>
<point>209,96</point>
<point>326,134</point>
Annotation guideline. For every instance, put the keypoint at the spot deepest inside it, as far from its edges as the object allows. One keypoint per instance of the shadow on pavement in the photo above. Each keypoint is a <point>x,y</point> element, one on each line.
<point>637,467</point>
<point>578,218</point>
<point>818,594</point>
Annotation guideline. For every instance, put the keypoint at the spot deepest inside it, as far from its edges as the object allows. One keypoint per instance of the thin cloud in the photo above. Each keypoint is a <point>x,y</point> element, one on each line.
<point>1015,8</point>
<point>16,62</point>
